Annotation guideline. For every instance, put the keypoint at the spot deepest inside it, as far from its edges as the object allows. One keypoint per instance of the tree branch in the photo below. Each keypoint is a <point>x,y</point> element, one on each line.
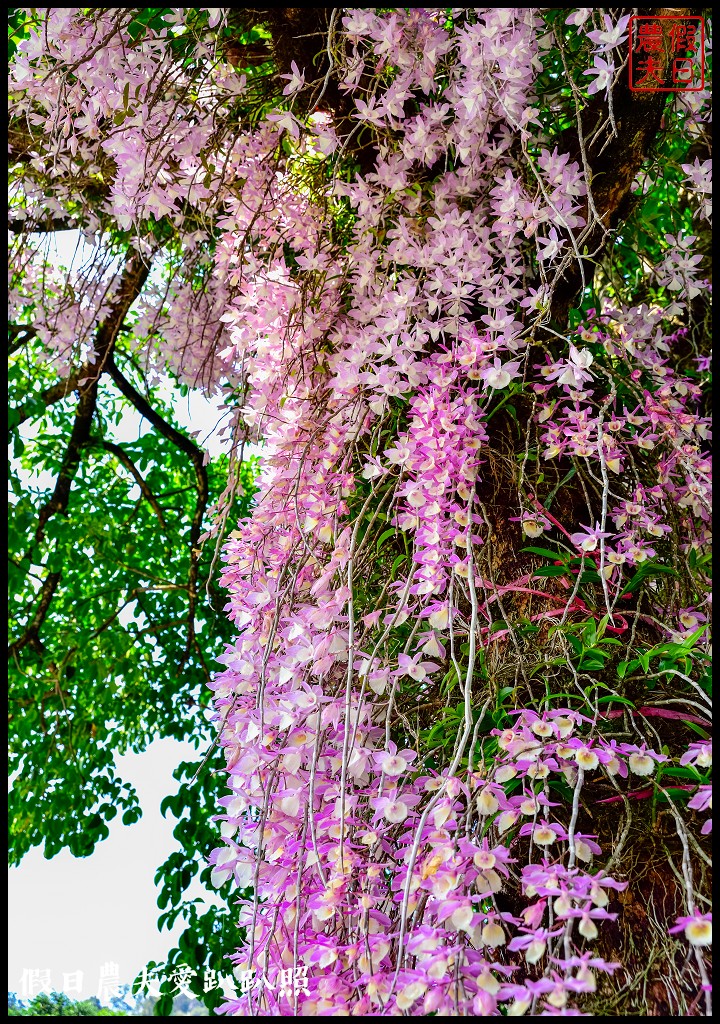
<point>192,450</point>
<point>128,463</point>
<point>54,394</point>
<point>133,278</point>
<point>31,636</point>
<point>19,225</point>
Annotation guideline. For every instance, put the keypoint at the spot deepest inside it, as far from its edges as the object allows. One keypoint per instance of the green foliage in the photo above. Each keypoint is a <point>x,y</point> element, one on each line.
<point>57,1004</point>
<point>204,944</point>
<point>673,659</point>
<point>122,657</point>
<point>588,643</point>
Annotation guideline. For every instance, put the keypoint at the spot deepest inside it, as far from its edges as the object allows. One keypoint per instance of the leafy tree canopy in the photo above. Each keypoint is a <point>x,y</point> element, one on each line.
<point>57,1004</point>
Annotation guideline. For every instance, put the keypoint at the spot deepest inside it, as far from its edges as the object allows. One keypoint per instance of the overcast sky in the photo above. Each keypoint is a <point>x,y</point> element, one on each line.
<point>71,915</point>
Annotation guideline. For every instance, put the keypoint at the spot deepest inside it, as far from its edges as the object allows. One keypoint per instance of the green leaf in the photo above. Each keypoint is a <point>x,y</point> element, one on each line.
<point>385,535</point>
<point>697,729</point>
<point>544,553</point>
<point>396,565</point>
<point>626,667</point>
<point>691,640</point>
<point>682,773</point>
<point>614,698</point>
<point>648,570</point>
<point>676,795</point>
<point>566,696</point>
<point>167,804</point>
<point>527,629</point>
<point>576,645</point>
<point>591,665</point>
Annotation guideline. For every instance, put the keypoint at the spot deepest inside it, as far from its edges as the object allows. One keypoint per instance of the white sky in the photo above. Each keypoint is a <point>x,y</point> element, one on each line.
<point>98,915</point>
<point>68,915</point>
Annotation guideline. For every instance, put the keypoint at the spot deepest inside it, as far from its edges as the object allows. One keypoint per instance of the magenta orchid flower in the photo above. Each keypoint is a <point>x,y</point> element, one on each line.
<point>587,537</point>
<point>499,375</point>
<point>696,927</point>
<point>603,71</point>
<point>699,754</point>
<point>392,763</point>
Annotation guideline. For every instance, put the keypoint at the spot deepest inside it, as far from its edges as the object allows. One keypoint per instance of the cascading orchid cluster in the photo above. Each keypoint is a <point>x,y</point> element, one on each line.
<point>377,886</point>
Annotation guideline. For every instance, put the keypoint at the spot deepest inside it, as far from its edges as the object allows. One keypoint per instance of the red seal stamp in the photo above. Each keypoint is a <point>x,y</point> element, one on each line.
<point>667,53</point>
